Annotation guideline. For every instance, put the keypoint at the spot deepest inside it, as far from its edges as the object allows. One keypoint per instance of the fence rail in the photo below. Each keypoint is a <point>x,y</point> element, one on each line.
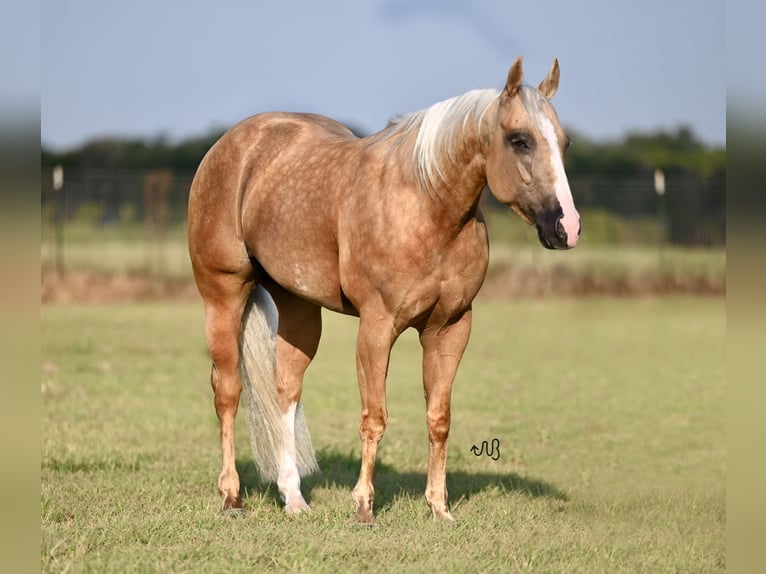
<point>149,207</point>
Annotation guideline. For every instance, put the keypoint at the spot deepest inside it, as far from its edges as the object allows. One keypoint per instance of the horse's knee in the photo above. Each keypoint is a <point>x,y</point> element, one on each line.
<point>438,426</point>
<point>372,424</point>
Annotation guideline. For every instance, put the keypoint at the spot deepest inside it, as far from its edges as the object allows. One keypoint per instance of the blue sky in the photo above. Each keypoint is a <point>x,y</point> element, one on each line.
<point>182,67</point>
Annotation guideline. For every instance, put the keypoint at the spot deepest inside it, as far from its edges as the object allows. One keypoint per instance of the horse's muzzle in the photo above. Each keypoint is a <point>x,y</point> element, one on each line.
<point>551,230</point>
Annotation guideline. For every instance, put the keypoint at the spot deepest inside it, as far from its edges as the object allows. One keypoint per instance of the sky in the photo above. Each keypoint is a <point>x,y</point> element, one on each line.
<point>182,68</point>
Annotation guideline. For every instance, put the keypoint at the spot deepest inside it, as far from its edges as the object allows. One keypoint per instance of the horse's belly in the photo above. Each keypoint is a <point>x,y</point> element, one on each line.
<point>315,283</point>
<point>308,270</point>
<point>292,236</point>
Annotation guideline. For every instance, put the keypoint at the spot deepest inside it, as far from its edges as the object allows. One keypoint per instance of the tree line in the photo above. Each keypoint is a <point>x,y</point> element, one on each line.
<point>614,176</point>
<point>674,151</point>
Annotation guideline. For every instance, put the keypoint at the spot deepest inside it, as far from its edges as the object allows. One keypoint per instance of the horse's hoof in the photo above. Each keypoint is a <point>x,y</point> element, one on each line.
<point>444,517</point>
<point>233,512</point>
<point>364,518</point>
<point>297,507</point>
<point>231,503</point>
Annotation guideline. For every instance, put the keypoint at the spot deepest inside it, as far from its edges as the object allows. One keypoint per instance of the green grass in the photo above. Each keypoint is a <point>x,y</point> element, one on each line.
<point>609,413</point>
<point>118,249</point>
<point>637,265</point>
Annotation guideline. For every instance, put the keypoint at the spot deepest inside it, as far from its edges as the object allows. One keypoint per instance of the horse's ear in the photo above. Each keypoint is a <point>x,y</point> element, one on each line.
<point>515,75</point>
<point>550,84</point>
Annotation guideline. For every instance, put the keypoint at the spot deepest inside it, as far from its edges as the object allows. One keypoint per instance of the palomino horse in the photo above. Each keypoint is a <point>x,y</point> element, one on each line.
<point>386,228</point>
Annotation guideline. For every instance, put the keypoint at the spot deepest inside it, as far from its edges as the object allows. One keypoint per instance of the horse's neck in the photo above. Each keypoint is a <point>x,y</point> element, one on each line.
<point>454,176</point>
<point>462,176</point>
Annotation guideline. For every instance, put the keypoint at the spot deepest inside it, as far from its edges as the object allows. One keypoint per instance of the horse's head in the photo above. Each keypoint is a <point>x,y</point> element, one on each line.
<point>525,159</point>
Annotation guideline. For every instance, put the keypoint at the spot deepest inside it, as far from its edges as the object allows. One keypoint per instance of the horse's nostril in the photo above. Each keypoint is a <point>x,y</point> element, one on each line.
<point>560,231</point>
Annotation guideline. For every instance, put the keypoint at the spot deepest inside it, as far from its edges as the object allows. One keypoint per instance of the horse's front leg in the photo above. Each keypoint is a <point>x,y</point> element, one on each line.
<point>373,349</point>
<point>443,347</point>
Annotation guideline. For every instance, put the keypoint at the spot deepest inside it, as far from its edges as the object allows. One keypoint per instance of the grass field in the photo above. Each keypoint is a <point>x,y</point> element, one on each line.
<point>638,265</point>
<point>609,414</point>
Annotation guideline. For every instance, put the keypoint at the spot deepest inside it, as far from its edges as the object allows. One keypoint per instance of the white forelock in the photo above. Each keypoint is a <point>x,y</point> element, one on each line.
<point>534,102</point>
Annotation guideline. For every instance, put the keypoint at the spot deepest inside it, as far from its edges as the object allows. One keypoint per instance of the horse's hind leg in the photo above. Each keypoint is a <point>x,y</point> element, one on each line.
<point>300,326</point>
<point>225,296</point>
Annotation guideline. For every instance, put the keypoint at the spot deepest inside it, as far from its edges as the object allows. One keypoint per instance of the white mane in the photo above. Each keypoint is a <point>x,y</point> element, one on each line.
<point>437,126</point>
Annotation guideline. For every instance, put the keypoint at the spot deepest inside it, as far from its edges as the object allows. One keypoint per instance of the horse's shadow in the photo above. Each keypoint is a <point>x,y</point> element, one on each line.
<point>337,469</point>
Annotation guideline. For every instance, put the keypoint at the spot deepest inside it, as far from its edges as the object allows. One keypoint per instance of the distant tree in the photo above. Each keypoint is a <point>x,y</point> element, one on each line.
<point>638,152</point>
<point>156,153</point>
<point>635,154</point>
<point>614,175</point>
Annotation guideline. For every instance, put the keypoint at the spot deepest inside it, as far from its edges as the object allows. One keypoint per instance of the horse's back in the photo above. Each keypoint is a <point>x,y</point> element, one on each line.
<point>271,131</point>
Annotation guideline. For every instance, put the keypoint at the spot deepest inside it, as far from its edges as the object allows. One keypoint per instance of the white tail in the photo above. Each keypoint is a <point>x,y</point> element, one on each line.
<point>257,370</point>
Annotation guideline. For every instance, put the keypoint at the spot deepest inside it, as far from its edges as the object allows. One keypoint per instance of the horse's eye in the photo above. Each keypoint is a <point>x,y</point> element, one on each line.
<point>519,142</point>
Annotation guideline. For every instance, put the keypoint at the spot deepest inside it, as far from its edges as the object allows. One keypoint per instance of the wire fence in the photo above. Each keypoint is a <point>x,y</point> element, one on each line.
<point>95,210</point>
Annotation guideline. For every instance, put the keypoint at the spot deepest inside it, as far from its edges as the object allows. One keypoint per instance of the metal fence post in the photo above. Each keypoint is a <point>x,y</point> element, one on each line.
<point>57,217</point>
